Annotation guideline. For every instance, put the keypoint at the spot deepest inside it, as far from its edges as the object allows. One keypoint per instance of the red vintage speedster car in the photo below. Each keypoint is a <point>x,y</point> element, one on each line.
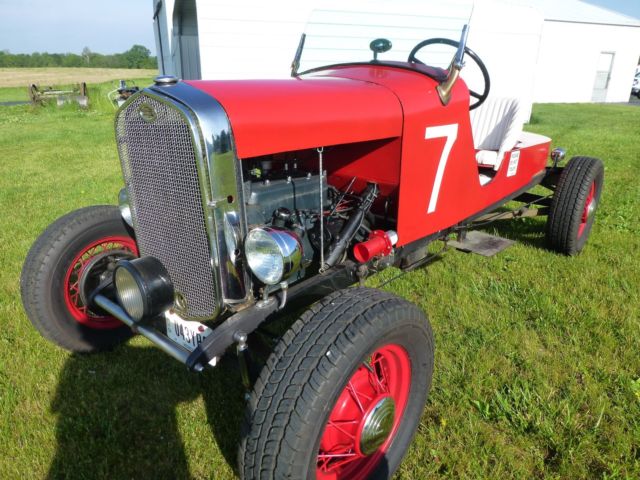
<point>245,200</point>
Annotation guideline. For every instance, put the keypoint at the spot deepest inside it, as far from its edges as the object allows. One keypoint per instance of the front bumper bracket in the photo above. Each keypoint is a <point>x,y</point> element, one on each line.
<point>245,321</point>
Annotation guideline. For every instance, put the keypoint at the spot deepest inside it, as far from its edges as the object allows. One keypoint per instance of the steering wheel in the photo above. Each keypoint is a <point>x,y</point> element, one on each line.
<point>480,97</point>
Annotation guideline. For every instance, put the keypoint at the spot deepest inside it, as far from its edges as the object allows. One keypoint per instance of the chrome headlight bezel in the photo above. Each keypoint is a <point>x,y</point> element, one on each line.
<point>280,257</point>
<point>143,287</point>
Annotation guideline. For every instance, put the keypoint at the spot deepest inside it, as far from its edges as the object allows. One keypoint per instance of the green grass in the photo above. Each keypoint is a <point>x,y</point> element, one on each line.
<point>537,366</point>
<point>14,94</point>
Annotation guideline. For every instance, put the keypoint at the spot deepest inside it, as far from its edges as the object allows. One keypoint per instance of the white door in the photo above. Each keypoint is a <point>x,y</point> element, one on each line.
<point>603,75</point>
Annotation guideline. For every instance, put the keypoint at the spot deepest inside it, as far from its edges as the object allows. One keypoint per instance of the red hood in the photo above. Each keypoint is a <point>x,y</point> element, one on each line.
<point>270,116</point>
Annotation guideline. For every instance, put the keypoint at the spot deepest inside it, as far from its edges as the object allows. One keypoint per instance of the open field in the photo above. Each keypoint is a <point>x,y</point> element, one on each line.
<point>97,91</point>
<point>21,77</point>
<point>537,367</point>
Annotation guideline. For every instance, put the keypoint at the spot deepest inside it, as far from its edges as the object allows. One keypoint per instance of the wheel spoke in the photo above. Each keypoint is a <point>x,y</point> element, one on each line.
<point>381,378</point>
<point>356,394</point>
<point>329,462</point>
<point>76,272</point>
<point>374,380</point>
<point>335,425</point>
<point>381,374</point>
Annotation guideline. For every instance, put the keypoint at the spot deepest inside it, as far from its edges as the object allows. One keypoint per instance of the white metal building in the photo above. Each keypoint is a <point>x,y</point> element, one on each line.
<point>536,50</point>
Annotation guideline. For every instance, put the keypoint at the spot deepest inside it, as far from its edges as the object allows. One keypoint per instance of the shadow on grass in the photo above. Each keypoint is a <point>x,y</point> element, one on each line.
<point>116,414</point>
<point>527,231</point>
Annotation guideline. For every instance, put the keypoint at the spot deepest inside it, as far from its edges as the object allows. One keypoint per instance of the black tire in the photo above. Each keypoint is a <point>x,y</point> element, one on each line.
<point>309,370</point>
<point>569,224</point>
<point>43,280</point>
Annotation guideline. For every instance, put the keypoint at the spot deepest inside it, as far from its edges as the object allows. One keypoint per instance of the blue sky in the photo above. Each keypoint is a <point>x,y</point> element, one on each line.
<point>111,26</point>
<point>626,7</point>
<point>107,26</point>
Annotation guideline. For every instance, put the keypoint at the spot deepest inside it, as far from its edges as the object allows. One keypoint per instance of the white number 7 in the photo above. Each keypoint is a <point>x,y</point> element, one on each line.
<point>451,132</point>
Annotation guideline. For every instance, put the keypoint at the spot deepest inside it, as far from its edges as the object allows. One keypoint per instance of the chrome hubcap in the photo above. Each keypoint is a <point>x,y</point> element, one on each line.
<point>591,208</point>
<point>377,425</point>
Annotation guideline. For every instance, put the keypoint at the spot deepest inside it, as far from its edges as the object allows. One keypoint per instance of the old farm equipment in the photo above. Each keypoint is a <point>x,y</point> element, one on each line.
<point>77,93</point>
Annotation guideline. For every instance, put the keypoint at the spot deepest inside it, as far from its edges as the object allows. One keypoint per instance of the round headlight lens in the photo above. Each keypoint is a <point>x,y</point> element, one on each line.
<point>264,256</point>
<point>143,287</point>
<point>129,294</point>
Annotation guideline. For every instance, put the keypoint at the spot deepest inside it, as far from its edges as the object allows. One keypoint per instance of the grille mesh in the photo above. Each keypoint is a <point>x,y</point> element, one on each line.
<point>159,167</point>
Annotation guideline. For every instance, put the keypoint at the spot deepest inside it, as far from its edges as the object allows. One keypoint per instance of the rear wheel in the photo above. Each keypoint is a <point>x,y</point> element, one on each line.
<point>71,257</point>
<point>342,394</point>
<point>574,205</point>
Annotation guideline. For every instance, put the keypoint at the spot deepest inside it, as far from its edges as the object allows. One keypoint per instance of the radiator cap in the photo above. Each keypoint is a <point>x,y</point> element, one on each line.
<point>162,80</point>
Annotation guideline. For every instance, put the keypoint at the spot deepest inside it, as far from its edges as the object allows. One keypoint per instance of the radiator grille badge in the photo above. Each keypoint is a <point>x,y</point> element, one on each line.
<point>147,113</point>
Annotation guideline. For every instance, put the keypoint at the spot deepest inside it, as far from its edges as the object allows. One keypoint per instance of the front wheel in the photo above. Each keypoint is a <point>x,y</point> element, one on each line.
<point>342,394</point>
<point>71,257</point>
<point>574,205</point>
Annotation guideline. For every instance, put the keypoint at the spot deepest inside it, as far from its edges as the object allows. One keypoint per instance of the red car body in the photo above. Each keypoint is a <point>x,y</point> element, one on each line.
<point>393,110</point>
<point>243,199</point>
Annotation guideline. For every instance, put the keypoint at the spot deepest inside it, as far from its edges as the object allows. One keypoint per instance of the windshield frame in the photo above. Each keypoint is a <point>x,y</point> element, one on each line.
<point>435,73</point>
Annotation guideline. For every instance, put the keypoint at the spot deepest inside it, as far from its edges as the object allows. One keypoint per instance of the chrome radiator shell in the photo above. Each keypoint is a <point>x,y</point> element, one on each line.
<point>183,179</point>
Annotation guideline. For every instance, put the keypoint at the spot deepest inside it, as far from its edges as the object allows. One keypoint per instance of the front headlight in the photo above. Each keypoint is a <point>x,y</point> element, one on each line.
<point>143,287</point>
<point>272,254</point>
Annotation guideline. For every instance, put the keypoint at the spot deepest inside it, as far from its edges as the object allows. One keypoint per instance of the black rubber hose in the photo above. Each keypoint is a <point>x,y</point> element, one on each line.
<point>350,228</point>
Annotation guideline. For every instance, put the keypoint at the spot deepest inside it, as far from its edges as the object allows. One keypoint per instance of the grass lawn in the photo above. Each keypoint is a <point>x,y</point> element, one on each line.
<point>537,365</point>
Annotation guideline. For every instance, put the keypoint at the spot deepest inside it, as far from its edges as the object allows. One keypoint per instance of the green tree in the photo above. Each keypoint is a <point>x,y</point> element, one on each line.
<point>136,56</point>
<point>86,55</point>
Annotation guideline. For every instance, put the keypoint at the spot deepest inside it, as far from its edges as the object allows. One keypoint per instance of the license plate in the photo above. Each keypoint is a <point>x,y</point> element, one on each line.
<point>186,333</point>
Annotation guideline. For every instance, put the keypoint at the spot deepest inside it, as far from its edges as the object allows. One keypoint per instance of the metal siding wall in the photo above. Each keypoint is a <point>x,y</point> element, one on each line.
<point>252,39</point>
<point>343,33</point>
<point>189,22</point>
<point>166,35</point>
<point>161,33</point>
<point>507,39</point>
<point>189,57</point>
<point>569,56</point>
<point>527,58</point>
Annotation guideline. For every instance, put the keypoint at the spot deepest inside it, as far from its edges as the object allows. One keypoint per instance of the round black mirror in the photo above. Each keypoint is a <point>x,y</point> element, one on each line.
<point>379,45</point>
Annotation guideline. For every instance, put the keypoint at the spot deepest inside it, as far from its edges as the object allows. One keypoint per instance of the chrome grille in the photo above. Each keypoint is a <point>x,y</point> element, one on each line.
<point>159,166</point>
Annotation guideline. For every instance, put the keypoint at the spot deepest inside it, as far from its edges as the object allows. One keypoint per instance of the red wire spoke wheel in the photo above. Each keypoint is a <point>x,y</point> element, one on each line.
<point>92,261</point>
<point>342,394</point>
<point>574,205</point>
<point>366,416</point>
<point>65,264</point>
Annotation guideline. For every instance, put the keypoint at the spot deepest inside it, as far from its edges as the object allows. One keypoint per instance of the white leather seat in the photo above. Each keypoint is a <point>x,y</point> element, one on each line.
<point>496,126</point>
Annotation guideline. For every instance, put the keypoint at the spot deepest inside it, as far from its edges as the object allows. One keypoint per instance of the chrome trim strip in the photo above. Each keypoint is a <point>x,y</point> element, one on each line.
<point>124,206</point>
<point>221,185</point>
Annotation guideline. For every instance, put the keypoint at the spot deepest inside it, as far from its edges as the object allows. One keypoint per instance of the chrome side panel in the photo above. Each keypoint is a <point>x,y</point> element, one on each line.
<point>221,183</point>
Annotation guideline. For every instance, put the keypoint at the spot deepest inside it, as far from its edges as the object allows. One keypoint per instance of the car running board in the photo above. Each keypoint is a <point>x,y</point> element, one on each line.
<point>481,243</point>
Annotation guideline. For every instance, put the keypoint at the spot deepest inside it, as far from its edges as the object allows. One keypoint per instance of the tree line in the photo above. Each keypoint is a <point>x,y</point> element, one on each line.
<point>137,56</point>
